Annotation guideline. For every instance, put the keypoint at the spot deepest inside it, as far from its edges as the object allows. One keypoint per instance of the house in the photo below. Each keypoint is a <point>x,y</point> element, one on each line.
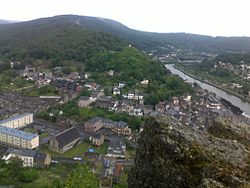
<point>136,111</point>
<point>121,128</point>
<point>117,148</point>
<point>109,124</point>
<point>144,82</point>
<point>66,86</point>
<point>98,140</point>
<point>111,72</point>
<point>64,140</point>
<point>138,97</point>
<point>42,160</point>
<point>93,125</point>
<point>99,92</point>
<point>29,158</point>
<point>121,85</point>
<point>131,96</point>
<point>116,91</point>
<point>26,156</point>
<point>176,101</point>
<point>160,107</point>
<point>84,101</point>
<point>107,103</point>
<point>212,102</point>
<point>117,172</point>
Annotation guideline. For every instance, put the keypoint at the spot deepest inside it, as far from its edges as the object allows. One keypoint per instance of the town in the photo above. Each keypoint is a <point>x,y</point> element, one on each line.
<point>41,132</point>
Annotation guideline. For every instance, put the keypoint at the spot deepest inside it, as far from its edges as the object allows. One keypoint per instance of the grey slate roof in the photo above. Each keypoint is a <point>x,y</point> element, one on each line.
<point>40,156</point>
<point>28,153</point>
<point>84,98</point>
<point>94,120</point>
<point>68,136</point>
<point>17,133</point>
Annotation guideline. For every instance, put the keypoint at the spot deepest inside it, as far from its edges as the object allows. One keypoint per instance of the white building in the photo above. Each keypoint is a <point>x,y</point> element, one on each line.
<point>116,91</point>
<point>26,156</point>
<point>18,121</point>
<point>18,138</point>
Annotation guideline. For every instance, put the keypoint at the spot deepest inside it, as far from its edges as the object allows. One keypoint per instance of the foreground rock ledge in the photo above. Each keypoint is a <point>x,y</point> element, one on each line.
<point>171,154</point>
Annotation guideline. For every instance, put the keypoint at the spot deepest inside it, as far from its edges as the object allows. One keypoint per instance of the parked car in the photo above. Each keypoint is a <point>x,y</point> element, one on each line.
<point>77,158</point>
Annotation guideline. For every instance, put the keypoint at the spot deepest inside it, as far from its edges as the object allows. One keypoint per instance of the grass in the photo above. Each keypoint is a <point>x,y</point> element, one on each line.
<point>43,135</point>
<point>10,81</point>
<point>46,90</point>
<point>30,130</point>
<point>48,175</point>
<point>77,150</point>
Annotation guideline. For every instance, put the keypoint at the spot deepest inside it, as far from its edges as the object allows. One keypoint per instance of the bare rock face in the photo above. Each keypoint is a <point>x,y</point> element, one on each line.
<point>171,154</point>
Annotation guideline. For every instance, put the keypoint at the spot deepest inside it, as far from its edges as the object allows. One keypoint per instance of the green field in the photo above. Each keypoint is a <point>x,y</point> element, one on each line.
<point>77,150</point>
<point>10,81</point>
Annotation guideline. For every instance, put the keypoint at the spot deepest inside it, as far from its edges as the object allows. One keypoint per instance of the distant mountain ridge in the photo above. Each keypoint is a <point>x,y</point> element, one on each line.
<point>6,22</point>
<point>143,40</point>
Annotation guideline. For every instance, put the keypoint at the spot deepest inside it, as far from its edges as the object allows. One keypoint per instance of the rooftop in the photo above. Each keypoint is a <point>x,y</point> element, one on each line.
<point>121,124</point>
<point>28,153</point>
<point>84,98</point>
<point>15,117</point>
<point>68,136</point>
<point>17,133</point>
<point>94,120</point>
<point>40,156</point>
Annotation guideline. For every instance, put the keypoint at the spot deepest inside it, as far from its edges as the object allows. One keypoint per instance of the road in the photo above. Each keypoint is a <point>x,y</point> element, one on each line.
<point>67,160</point>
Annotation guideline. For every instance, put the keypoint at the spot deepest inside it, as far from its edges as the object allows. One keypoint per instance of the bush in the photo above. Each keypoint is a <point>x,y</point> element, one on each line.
<point>27,175</point>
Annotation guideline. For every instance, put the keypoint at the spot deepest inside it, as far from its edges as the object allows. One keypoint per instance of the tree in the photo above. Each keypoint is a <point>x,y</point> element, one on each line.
<point>82,177</point>
<point>27,175</point>
<point>15,167</point>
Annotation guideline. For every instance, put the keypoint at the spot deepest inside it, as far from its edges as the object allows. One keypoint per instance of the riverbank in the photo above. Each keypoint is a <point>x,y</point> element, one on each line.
<point>214,85</point>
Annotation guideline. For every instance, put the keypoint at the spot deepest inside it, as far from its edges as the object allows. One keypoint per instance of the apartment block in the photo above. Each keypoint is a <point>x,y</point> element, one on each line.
<point>18,121</point>
<point>17,138</point>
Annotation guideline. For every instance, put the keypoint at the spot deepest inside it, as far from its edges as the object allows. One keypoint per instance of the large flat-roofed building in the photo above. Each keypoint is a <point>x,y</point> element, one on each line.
<point>18,138</point>
<point>18,121</point>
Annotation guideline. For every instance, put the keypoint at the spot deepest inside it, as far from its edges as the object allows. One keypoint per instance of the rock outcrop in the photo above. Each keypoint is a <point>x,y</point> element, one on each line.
<point>172,154</point>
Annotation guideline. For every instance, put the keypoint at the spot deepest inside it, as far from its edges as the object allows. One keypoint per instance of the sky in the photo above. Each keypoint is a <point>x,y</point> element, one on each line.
<point>207,17</point>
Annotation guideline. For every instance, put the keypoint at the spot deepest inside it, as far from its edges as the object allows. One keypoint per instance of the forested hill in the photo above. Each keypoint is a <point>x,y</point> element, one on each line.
<point>54,38</point>
<point>57,27</point>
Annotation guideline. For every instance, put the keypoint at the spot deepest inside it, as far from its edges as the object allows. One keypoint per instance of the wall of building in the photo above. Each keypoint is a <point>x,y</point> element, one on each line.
<point>19,122</point>
<point>19,142</point>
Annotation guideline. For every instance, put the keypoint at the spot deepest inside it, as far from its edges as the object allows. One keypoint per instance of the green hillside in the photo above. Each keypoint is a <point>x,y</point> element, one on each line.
<point>58,26</point>
<point>58,39</point>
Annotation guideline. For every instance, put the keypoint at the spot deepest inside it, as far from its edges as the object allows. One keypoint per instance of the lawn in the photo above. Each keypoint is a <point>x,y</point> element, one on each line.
<point>46,90</point>
<point>77,150</point>
<point>43,135</point>
<point>30,130</point>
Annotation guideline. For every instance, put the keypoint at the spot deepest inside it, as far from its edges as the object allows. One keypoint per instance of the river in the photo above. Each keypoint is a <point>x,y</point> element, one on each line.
<point>244,106</point>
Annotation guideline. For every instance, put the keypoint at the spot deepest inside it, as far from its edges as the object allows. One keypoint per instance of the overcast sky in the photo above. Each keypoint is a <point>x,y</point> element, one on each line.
<point>211,17</point>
